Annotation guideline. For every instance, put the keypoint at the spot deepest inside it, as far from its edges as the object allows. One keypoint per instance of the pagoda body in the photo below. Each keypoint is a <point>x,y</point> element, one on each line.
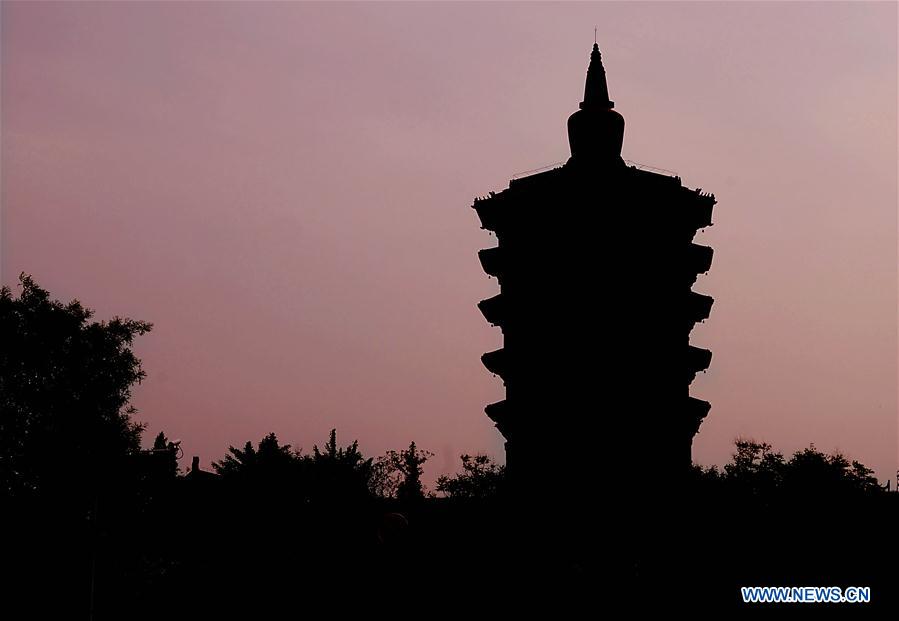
<point>595,261</point>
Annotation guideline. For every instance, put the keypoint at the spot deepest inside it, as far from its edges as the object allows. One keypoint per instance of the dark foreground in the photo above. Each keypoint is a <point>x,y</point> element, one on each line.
<point>200,548</point>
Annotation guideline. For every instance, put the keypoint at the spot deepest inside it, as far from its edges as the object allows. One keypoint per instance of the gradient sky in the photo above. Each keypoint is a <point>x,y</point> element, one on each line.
<point>284,190</point>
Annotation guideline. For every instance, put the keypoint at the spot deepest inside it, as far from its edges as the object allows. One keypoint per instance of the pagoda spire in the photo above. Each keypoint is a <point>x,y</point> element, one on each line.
<point>596,90</point>
<point>596,131</point>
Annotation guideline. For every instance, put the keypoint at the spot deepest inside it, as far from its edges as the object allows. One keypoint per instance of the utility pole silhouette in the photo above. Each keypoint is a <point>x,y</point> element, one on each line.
<point>595,263</point>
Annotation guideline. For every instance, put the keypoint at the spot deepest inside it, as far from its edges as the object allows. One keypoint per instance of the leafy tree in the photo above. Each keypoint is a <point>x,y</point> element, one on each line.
<point>397,474</point>
<point>160,443</point>
<point>756,470</point>
<point>706,472</point>
<point>165,452</point>
<point>339,474</point>
<point>65,387</point>
<point>410,464</point>
<point>270,460</point>
<point>481,478</point>
<point>861,477</point>
<point>811,472</point>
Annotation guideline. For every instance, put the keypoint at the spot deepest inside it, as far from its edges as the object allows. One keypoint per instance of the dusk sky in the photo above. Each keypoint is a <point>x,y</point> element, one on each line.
<point>284,190</point>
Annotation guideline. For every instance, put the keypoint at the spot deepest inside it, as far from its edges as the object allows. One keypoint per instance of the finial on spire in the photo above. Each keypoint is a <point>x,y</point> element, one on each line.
<point>594,35</point>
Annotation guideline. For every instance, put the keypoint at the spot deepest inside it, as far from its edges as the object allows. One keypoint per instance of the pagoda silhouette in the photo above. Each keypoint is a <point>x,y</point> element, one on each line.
<point>595,261</point>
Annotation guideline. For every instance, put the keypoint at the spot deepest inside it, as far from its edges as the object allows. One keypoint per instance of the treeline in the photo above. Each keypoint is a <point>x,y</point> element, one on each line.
<point>98,527</point>
<point>343,472</point>
<point>115,531</point>
<point>757,472</point>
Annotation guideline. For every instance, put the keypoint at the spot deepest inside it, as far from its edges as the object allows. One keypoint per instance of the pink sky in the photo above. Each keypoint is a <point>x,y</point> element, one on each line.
<point>284,190</point>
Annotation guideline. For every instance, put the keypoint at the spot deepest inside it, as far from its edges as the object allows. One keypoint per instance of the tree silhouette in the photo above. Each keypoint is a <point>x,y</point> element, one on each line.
<point>755,467</point>
<point>397,474</point>
<point>65,385</point>
<point>757,471</point>
<point>410,464</point>
<point>481,478</point>
<point>270,459</point>
<point>813,473</point>
<point>165,453</point>
<point>339,474</point>
<point>161,442</point>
